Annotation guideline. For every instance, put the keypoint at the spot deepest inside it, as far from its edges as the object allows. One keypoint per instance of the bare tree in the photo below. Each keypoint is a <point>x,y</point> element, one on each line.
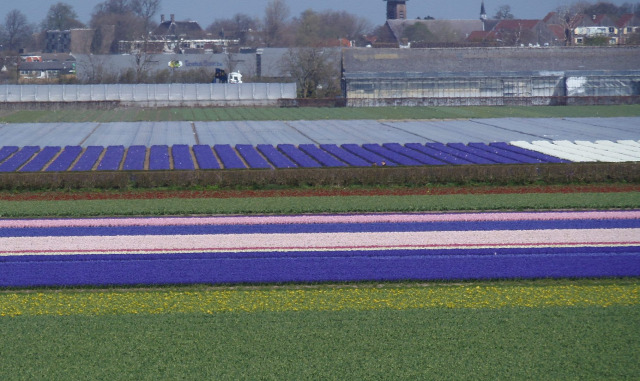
<point>146,10</point>
<point>516,36</point>
<point>503,13</point>
<point>61,16</point>
<point>17,30</point>
<point>603,7</point>
<point>238,27</point>
<point>315,70</point>
<point>120,7</point>
<point>119,14</point>
<point>324,28</point>
<point>275,20</point>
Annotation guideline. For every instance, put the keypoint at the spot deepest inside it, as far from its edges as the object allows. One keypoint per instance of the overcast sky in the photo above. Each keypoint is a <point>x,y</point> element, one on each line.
<point>206,11</point>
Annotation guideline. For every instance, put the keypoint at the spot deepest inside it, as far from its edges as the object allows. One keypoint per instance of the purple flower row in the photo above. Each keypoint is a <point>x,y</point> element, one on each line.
<point>136,156</point>
<point>391,265</point>
<point>18,159</point>
<point>159,158</point>
<point>243,156</point>
<point>287,228</point>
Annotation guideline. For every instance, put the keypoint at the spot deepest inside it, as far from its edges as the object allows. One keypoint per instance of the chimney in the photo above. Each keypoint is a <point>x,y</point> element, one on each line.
<point>161,19</point>
<point>173,17</point>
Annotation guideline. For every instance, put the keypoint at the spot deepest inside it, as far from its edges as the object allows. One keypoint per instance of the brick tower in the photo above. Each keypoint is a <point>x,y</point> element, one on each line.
<point>396,9</point>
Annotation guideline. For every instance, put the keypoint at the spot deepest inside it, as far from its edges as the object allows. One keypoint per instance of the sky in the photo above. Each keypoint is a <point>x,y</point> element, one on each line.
<point>206,11</point>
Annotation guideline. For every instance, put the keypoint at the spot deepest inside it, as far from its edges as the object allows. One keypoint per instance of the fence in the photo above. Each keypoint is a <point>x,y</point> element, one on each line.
<point>152,95</point>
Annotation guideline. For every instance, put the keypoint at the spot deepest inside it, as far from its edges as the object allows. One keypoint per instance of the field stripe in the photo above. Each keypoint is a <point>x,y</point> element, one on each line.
<point>386,267</point>
<point>318,228</point>
<point>274,249</point>
<point>318,219</point>
<point>92,303</point>
<point>311,241</point>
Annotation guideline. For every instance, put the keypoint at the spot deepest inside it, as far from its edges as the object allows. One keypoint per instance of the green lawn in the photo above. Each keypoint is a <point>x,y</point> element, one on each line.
<point>508,343</point>
<point>314,113</point>
<point>342,204</point>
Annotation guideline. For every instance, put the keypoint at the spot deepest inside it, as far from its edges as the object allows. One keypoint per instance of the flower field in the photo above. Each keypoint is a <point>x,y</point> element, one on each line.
<point>303,282</point>
<point>291,299</point>
<point>241,156</point>
<point>319,248</point>
<point>261,156</point>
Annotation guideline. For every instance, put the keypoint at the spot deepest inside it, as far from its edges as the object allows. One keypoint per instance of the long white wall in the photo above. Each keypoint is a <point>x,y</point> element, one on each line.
<point>152,94</point>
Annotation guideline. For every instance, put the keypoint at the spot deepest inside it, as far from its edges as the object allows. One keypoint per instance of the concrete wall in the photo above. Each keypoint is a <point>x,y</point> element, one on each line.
<point>143,95</point>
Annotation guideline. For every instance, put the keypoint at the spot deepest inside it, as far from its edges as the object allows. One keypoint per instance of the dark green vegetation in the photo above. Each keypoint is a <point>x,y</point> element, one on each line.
<point>500,174</point>
<point>313,113</point>
<point>336,204</point>
<point>507,343</point>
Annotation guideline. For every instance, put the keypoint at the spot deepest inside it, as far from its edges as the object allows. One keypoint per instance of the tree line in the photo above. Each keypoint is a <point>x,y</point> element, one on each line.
<point>315,69</point>
<point>135,19</point>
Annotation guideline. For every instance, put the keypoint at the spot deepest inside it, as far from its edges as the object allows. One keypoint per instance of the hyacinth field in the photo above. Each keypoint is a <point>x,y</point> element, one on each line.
<point>319,248</point>
<point>266,156</point>
<point>392,282</point>
<point>240,156</point>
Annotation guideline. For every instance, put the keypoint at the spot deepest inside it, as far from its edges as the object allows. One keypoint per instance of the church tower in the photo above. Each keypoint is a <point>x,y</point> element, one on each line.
<point>483,13</point>
<point>396,9</point>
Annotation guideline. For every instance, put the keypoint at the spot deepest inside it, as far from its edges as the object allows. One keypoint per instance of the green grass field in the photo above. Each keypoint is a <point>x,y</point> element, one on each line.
<point>343,204</point>
<point>313,113</point>
<point>589,331</point>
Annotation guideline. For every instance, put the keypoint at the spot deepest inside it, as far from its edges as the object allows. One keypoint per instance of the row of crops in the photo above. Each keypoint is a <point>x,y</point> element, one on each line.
<point>318,248</point>
<point>226,156</point>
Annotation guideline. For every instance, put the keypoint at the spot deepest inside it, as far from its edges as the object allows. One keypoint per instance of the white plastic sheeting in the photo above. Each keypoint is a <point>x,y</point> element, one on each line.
<point>583,151</point>
<point>180,93</point>
<point>620,132</point>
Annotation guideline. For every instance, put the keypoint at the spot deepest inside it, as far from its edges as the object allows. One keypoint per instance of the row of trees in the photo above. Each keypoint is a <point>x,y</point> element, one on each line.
<point>278,29</point>
<point>581,7</point>
<point>131,18</point>
<point>135,19</point>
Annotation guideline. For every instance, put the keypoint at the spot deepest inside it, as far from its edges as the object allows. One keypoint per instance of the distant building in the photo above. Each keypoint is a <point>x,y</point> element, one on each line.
<point>68,41</point>
<point>628,25</point>
<point>582,33</point>
<point>176,30</point>
<point>442,31</point>
<point>57,41</point>
<point>396,9</point>
<point>516,32</point>
<point>171,36</point>
<point>488,76</point>
<point>47,68</point>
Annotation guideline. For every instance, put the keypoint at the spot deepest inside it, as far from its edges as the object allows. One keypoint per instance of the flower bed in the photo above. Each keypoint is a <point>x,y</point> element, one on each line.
<point>318,248</point>
<point>243,156</point>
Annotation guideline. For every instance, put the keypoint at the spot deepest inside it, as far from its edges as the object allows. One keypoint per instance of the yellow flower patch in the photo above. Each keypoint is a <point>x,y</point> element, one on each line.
<point>361,298</point>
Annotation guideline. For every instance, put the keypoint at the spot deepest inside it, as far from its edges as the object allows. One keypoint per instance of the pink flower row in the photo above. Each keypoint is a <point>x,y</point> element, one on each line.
<point>318,219</point>
<point>316,241</point>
